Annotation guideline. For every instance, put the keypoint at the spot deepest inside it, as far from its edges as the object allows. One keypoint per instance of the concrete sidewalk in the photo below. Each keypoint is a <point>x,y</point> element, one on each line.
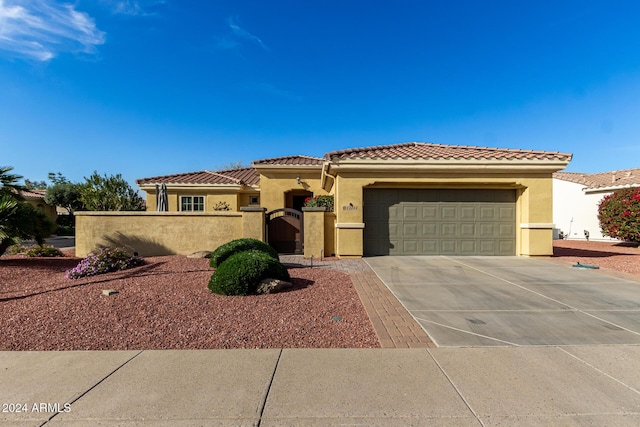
<point>592,385</point>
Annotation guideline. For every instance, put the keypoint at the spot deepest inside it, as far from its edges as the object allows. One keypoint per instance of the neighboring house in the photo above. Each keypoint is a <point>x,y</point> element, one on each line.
<point>36,199</point>
<point>403,199</point>
<point>576,197</point>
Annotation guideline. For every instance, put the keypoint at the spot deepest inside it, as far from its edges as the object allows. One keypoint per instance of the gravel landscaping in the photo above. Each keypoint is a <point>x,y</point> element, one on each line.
<point>165,304</point>
<point>616,256</point>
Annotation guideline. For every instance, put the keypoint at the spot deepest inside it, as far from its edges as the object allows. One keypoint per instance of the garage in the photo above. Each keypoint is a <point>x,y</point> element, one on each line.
<point>404,221</point>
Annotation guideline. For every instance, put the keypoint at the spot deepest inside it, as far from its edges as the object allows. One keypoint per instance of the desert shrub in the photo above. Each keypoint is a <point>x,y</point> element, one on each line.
<point>102,261</point>
<point>240,245</point>
<point>16,249</point>
<point>619,214</point>
<point>43,251</point>
<point>241,273</point>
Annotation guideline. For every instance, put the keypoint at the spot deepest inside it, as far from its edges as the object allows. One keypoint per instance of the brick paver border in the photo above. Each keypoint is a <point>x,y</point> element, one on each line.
<point>395,327</point>
<point>393,324</point>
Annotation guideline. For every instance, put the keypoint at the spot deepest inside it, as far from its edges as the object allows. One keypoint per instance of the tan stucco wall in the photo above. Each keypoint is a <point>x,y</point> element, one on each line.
<point>329,233</point>
<point>253,222</point>
<point>533,205</point>
<point>212,197</point>
<point>313,233</point>
<point>244,199</point>
<point>234,200</point>
<point>156,233</point>
<point>275,185</point>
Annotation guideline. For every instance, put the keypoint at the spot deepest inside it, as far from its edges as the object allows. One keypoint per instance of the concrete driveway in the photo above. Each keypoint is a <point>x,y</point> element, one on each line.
<point>512,301</point>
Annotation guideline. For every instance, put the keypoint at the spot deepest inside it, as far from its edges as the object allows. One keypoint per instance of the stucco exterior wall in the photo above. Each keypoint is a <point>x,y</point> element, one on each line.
<point>534,221</point>
<point>244,199</point>
<point>313,232</point>
<point>233,200</point>
<point>329,234</point>
<point>275,185</point>
<point>156,233</point>
<point>575,211</point>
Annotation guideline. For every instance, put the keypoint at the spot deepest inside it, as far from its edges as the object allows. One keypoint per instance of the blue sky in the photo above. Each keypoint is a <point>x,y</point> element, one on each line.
<point>155,87</point>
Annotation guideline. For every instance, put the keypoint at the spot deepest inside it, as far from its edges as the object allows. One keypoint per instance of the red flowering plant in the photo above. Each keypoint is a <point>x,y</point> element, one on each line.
<point>319,201</point>
<point>619,214</point>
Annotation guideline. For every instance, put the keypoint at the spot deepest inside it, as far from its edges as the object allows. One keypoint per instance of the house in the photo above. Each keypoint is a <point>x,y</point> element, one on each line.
<point>576,197</point>
<point>405,199</point>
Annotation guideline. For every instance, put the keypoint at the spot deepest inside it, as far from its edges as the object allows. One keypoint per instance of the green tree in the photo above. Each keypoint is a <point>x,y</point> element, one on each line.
<point>109,193</point>
<point>57,178</point>
<point>619,214</point>
<point>231,166</point>
<point>35,185</point>
<point>64,194</point>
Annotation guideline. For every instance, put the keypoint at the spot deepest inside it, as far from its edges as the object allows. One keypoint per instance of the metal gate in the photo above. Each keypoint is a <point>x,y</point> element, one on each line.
<point>285,231</point>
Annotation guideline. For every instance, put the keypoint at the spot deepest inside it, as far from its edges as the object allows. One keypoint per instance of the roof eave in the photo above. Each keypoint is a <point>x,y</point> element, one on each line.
<point>175,186</point>
<point>288,168</point>
<point>607,189</point>
<point>504,166</point>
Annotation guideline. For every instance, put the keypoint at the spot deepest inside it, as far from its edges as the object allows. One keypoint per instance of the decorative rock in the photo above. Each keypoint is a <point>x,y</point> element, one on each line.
<point>272,286</point>
<point>109,292</point>
<point>200,254</point>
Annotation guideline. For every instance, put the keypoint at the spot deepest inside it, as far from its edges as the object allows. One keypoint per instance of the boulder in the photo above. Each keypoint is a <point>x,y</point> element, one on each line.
<point>272,286</point>
<point>200,254</point>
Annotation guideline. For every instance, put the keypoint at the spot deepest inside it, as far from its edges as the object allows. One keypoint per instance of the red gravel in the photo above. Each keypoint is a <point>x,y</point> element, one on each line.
<point>165,304</point>
<point>609,255</point>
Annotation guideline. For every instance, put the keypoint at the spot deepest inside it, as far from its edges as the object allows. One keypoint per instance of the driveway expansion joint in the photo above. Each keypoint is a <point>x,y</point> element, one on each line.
<point>95,385</point>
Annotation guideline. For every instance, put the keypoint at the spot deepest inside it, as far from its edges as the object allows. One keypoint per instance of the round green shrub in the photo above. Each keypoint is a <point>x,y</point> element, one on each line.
<point>240,245</point>
<point>241,273</point>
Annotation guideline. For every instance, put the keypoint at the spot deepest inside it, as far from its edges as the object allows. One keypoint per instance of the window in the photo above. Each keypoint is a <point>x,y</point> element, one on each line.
<point>192,203</point>
<point>254,200</point>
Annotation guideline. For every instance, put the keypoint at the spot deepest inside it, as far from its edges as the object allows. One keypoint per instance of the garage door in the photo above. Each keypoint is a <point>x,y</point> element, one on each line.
<point>439,222</point>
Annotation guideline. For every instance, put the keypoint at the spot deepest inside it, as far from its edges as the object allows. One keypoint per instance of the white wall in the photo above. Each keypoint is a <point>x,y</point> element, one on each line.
<point>574,211</point>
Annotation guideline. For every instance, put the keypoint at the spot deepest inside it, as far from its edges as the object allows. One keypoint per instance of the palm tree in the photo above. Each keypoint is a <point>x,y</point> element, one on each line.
<point>8,198</point>
<point>9,183</point>
<point>18,220</point>
<point>8,206</point>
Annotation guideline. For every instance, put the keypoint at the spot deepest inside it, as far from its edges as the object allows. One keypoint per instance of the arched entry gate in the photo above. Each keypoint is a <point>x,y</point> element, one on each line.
<point>285,231</point>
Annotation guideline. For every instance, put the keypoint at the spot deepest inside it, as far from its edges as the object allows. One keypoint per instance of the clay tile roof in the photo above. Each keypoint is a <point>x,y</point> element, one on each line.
<point>33,194</point>
<point>627,177</point>
<point>428,151</point>
<point>291,161</point>
<point>247,176</point>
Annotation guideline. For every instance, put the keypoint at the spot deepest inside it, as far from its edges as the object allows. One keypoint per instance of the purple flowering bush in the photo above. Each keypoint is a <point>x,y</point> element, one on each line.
<point>104,260</point>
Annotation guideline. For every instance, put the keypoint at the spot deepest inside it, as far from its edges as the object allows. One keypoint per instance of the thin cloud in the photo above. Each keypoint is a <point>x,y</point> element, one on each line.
<point>238,34</point>
<point>129,7</point>
<point>133,7</point>
<point>42,29</point>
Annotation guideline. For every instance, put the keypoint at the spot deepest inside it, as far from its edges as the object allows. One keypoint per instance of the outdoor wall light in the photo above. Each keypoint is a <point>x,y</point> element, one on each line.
<point>298,180</point>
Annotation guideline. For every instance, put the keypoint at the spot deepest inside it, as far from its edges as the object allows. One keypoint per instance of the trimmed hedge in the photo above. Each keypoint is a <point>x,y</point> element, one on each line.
<point>241,273</point>
<point>240,245</point>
